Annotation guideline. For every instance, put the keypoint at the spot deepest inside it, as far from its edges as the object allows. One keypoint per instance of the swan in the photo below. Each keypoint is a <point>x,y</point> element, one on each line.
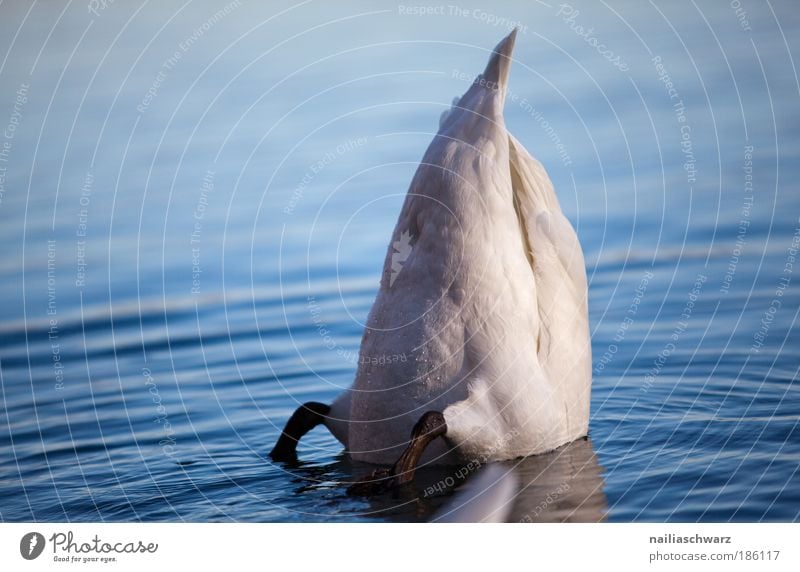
<point>484,292</point>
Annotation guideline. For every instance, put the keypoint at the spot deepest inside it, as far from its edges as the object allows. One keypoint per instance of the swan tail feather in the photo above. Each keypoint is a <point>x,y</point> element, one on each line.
<point>485,97</point>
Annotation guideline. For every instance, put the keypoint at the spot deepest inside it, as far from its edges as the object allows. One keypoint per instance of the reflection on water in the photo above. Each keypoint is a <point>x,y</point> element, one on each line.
<point>181,267</point>
<point>565,485</point>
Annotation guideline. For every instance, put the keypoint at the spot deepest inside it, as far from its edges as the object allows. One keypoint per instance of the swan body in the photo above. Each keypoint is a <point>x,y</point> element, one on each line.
<point>489,306</point>
<point>483,294</point>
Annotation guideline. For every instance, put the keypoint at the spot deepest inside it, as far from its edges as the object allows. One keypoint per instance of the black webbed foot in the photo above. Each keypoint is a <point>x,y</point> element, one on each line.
<point>430,426</point>
<point>303,420</point>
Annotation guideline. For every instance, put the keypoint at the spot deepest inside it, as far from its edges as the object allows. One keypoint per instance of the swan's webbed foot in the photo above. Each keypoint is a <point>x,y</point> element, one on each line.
<point>303,420</point>
<point>430,426</point>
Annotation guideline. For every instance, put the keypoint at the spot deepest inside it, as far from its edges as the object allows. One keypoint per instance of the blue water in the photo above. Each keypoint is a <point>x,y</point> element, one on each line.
<point>193,227</point>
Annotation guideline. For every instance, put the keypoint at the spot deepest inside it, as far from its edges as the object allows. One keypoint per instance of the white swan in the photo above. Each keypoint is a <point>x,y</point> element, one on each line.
<point>484,293</point>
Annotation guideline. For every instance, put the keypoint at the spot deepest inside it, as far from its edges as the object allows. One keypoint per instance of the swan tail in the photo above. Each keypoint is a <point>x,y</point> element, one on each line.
<point>496,73</point>
<point>485,97</point>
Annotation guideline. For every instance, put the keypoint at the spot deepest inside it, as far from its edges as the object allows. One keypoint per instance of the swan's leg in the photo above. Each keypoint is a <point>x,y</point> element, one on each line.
<point>303,420</point>
<point>430,426</point>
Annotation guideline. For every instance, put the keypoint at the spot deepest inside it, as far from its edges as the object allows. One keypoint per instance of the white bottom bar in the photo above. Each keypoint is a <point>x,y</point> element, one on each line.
<point>402,547</point>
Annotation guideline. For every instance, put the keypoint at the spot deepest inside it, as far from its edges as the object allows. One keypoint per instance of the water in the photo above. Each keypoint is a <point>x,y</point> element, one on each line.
<point>193,226</point>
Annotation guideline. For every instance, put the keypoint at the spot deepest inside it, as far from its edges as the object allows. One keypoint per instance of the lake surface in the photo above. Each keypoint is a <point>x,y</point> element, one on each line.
<point>196,205</point>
